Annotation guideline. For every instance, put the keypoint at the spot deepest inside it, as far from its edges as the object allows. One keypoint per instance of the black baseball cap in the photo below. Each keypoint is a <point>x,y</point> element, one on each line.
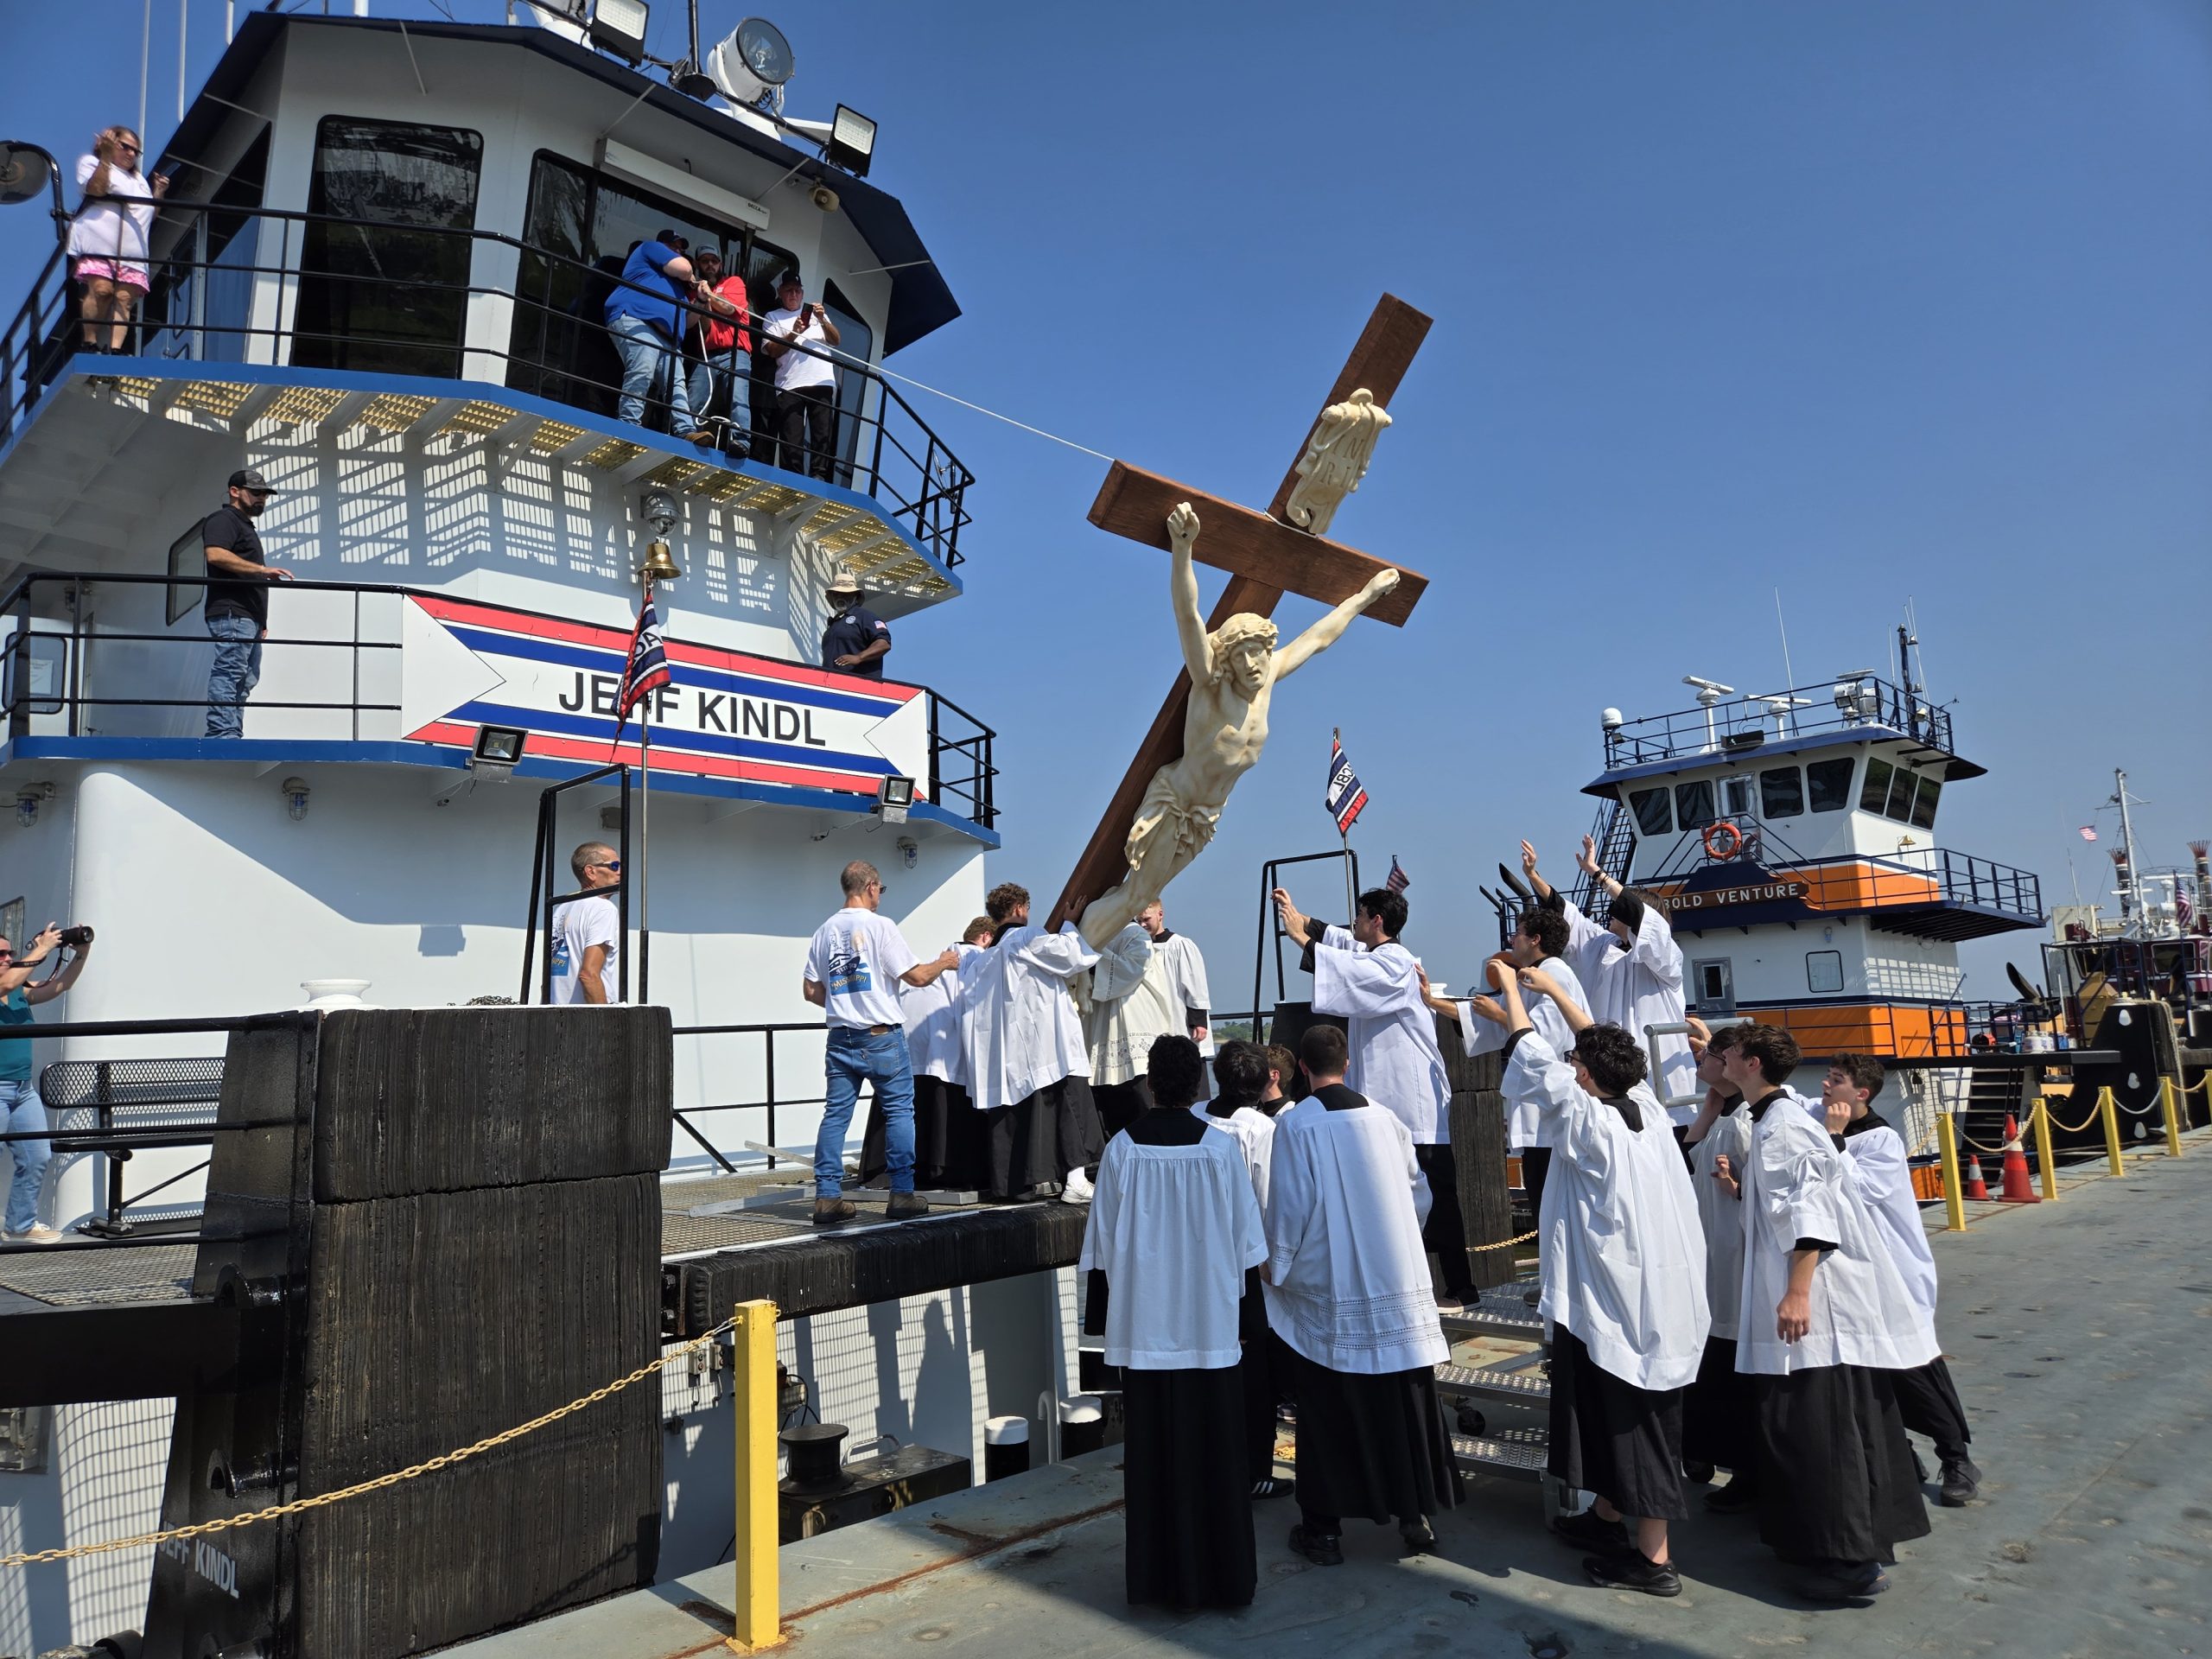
<point>675,240</point>
<point>247,478</point>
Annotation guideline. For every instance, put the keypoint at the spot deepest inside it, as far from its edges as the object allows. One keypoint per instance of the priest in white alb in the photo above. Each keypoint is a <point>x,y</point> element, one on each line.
<point>1624,1286</point>
<point>1186,968</point>
<point>1348,1293</point>
<point>1028,1068</point>
<point>1134,1001</point>
<point>1367,977</point>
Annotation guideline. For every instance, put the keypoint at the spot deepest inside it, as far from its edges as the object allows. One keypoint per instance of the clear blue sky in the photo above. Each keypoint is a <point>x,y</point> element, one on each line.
<point>1865,303</point>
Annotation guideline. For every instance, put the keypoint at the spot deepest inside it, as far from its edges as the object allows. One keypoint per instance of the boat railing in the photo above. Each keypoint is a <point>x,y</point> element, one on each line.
<point>452,308</point>
<point>330,673</point>
<point>1910,879</point>
<point>1741,725</point>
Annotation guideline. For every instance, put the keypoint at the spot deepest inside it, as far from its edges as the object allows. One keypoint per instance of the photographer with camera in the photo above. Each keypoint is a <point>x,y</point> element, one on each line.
<point>21,1110</point>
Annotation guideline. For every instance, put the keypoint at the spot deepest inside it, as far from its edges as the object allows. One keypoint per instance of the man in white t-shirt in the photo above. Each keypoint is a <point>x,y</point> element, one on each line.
<point>806,380</point>
<point>588,931</point>
<point>854,966</point>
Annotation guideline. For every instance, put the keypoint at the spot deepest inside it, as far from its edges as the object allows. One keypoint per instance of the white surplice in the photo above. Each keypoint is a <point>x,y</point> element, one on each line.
<point>932,1015</point>
<point>1132,1002</point>
<point>1635,985</point>
<point>1622,1251</point>
<point>1254,1134</point>
<point>1348,1279</point>
<point>1862,1314</point>
<point>1172,1228</point>
<point>1019,1031</point>
<point>1186,979</point>
<point>1392,1033</point>
<point>1874,1157</point>
<point>1721,1214</point>
<point>1525,1125</point>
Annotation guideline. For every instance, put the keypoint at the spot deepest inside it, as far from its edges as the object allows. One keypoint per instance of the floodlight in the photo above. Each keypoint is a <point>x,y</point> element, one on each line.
<point>893,797</point>
<point>852,142</point>
<point>619,26</point>
<point>752,60</point>
<point>26,171</point>
<point>496,749</point>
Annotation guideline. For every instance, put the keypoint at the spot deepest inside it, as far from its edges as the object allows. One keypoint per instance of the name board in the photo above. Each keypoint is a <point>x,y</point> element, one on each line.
<point>1759,893</point>
<point>725,713</point>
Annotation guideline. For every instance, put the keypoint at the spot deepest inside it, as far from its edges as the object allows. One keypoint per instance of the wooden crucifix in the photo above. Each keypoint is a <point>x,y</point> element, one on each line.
<point>1265,557</point>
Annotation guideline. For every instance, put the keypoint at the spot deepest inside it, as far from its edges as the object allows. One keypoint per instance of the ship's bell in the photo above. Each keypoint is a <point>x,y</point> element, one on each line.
<point>659,566</point>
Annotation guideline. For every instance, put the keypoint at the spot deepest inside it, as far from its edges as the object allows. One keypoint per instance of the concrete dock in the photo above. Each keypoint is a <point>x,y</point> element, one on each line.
<point>2081,1336</point>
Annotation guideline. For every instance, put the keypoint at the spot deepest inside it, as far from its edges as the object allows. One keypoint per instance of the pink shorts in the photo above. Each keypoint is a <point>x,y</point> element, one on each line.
<point>115,272</point>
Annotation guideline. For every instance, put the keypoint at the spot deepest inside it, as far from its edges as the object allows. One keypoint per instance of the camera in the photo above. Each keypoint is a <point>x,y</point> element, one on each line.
<point>76,937</point>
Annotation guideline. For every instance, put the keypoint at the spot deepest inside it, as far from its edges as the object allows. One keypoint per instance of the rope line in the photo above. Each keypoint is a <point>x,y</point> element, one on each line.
<point>1502,1243</point>
<point>951,398</point>
<point>2072,1129</point>
<point>445,1460</point>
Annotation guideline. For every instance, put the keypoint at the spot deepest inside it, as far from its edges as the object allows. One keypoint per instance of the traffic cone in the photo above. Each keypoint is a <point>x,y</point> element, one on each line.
<point>1976,1187</point>
<point>2017,1190</point>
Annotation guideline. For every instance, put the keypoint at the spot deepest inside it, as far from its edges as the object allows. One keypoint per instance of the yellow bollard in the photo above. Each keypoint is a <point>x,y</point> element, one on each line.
<point>2110,1108</point>
<point>2173,1116</point>
<point>753,1391</point>
<point>2039,1116</point>
<point>1955,1203</point>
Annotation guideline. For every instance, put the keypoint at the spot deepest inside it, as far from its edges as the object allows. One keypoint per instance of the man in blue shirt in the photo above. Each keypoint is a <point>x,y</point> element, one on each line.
<point>21,1112</point>
<point>645,315</point>
<point>856,640</point>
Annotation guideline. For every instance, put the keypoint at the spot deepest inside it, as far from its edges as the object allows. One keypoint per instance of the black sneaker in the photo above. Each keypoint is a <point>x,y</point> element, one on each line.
<point>1738,1496</point>
<point>1698,1474</point>
<point>831,1212</point>
<point>1590,1530</point>
<point>905,1206</point>
<point>1416,1537</point>
<point>1322,1549</point>
<point>1962,1481</point>
<point>1273,1486</point>
<point>1842,1581</point>
<point>1634,1571</point>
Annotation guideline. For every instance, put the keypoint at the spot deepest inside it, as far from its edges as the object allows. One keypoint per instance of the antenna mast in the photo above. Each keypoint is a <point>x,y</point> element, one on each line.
<point>2129,889</point>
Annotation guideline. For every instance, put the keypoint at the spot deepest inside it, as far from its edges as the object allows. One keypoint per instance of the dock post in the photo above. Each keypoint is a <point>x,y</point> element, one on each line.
<point>2046,1159</point>
<point>2110,1109</point>
<point>1955,1203</point>
<point>2173,1116</point>
<point>753,1392</point>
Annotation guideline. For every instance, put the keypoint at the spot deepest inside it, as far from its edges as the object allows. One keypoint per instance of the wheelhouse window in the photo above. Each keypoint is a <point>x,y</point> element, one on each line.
<point>1736,797</point>
<point>1900,787</point>
<point>1923,802</point>
<point>857,340</point>
<point>1828,784</point>
<point>1874,794</point>
<point>1650,808</point>
<point>1694,804</point>
<point>1782,792</point>
<point>383,280</point>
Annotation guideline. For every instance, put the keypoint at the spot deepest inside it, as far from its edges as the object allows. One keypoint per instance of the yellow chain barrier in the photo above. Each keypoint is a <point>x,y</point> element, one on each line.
<point>1504,1242</point>
<point>430,1466</point>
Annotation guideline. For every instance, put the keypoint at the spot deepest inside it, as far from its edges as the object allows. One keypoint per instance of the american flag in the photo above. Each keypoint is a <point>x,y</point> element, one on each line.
<point>1397,881</point>
<point>2088,834</point>
<point>646,671</point>
<point>1346,800</point>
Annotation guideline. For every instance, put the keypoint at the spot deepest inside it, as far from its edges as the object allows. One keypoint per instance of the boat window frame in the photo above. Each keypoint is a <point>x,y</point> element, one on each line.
<point>1841,802</point>
<point>1664,795</point>
<point>1767,810</point>
<point>1930,791</point>
<point>1697,820</point>
<point>1812,984</point>
<point>1725,1001</point>
<point>1874,788</point>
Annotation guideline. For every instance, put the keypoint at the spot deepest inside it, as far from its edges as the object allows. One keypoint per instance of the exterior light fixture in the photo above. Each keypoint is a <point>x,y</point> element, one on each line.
<point>658,508</point>
<point>27,800</point>
<point>852,142</point>
<point>294,792</point>
<point>496,749</point>
<point>619,26</point>
<point>893,797</point>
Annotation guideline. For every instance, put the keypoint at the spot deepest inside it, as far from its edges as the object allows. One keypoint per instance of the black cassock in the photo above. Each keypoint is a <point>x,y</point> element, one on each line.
<point>1836,1480</point>
<point>1185,1479</point>
<point>948,1138</point>
<point>1040,1139</point>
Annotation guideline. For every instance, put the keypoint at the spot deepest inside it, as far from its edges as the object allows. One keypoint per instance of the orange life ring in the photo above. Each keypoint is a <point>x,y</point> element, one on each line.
<point>1728,835</point>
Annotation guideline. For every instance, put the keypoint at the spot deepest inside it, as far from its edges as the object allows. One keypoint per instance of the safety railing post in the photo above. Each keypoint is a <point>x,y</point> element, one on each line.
<point>2109,1109</point>
<point>1954,1204</point>
<point>2046,1159</point>
<point>752,1393</point>
<point>2173,1116</point>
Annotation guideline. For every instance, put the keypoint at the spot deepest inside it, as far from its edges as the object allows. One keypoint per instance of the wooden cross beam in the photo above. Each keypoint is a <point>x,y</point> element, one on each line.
<point>1265,557</point>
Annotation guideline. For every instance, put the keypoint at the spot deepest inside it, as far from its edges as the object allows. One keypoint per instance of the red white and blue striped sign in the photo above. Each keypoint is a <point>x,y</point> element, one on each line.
<point>647,668</point>
<point>1346,800</point>
<point>715,714</point>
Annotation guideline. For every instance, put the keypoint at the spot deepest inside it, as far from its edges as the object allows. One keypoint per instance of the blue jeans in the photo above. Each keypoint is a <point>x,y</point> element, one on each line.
<point>880,1057</point>
<point>24,1113</point>
<point>647,355</point>
<point>236,671</point>
<point>725,370</point>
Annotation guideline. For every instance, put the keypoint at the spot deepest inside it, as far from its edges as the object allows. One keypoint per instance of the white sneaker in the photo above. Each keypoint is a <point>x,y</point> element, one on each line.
<point>40,1234</point>
<point>1078,1189</point>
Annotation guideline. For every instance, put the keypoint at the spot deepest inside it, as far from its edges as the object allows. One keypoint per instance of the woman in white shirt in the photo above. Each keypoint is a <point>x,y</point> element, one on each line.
<point>108,238</point>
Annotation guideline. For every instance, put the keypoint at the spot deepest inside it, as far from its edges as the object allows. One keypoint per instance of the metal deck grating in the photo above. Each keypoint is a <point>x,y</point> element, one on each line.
<point>1462,1381</point>
<point>303,405</point>
<point>1515,1453</point>
<point>682,1234</point>
<point>394,412</point>
<point>88,1278</point>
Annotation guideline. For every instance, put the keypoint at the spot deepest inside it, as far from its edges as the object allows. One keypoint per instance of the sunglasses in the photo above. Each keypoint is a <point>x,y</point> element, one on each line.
<point>614,864</point>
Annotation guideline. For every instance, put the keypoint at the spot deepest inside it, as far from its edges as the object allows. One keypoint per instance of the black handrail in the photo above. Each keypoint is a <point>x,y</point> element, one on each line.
<point>926,491</point>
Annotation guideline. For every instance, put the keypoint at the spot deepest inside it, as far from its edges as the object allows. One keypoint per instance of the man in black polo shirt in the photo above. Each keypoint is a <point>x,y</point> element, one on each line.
<point>856,641</point>
<point>238,600</point>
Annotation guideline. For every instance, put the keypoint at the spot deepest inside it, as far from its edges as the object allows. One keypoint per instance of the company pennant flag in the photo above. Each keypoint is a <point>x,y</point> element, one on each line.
<point>2088,834</point>
<point>1397,881</point>
<point>646,669</point>
<point>1346,800</point>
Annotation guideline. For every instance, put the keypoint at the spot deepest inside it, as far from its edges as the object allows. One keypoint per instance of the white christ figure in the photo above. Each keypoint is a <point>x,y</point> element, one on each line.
<point>1233,674</point>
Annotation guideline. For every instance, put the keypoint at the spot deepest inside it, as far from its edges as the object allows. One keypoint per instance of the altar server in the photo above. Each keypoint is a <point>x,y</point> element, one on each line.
<point>1028,1068</point>
<point>1348,1292</point>
<point>1134,999</point>
<point>1173,1232</point>
<point>1826,1320</point>
<point>1624,1283</point>
<point>948,1135</point>
<point>1365,975</point>
<point>1717,1410</point>
<point>1927,1398</point>
<point>1240,1076</point>
<point>1186,977</point>
<point>1632,967</point>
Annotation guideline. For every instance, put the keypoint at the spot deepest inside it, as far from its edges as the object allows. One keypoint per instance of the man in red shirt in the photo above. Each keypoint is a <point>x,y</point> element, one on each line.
<point>721,350</point>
